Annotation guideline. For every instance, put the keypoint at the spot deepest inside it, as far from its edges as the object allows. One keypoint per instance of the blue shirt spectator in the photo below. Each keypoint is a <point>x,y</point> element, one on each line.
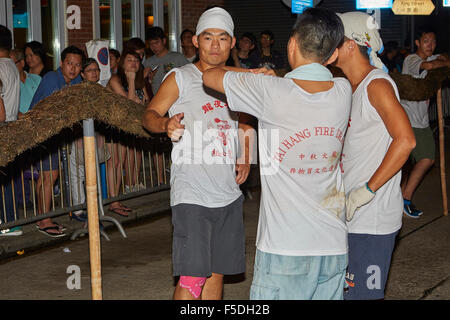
<point>51,82</point>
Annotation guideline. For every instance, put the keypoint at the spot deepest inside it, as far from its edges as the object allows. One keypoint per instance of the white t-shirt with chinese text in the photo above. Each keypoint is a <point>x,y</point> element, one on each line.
<point>203,161</point>
<point>417,111</point>
<point>365,147</point>
<point>300,143</point>
<point>10,88</point>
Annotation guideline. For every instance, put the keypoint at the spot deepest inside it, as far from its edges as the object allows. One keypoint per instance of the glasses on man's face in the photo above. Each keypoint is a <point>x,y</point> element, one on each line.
<point>92,70</point>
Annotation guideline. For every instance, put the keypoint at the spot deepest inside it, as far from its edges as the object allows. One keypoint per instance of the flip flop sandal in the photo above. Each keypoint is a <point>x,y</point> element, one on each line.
<point>60,226</point>
<point>125,208</point>
<point>53,235</point>
<point>121,212</point>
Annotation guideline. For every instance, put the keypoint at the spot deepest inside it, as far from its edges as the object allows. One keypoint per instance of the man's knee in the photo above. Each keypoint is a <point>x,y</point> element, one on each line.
<point>426,163</point>
<point>193,284</point>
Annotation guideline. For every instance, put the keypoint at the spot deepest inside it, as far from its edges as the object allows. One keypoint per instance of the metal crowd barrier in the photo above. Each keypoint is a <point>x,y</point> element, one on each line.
<point>141,167</point>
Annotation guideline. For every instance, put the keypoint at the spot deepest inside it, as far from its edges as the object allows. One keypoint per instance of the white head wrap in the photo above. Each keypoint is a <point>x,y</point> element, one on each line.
<point>215,18</point>
<point>363,29</point>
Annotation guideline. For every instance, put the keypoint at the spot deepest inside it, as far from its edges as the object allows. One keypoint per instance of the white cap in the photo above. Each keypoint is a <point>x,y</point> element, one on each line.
<point>215,18</point>
<point>363,29</point>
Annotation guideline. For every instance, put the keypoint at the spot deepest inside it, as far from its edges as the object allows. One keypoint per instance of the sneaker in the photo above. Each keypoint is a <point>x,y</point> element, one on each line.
<point>410,210</point>
<point>139,187</point>
<point>80,216</point>
<point>127,189</point>
<point>16,231</point>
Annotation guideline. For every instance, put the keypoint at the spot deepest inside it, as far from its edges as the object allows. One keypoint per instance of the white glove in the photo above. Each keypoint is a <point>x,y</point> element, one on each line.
<point>356,199</point>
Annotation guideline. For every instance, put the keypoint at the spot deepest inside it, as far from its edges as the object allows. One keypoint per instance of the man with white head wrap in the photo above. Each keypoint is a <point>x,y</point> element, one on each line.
<point>363,29</point>
<point>377,144</point>
<point>208,236</point>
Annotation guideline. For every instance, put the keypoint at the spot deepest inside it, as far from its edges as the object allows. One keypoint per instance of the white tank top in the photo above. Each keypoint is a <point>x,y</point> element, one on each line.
<point>203,161</point>
<point>365,146</point>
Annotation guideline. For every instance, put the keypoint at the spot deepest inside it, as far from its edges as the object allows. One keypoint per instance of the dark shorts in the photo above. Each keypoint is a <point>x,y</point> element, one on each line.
<point>369,260</point>
<point>50,162</point>
<point>425,146</point>
<point>207,240</point>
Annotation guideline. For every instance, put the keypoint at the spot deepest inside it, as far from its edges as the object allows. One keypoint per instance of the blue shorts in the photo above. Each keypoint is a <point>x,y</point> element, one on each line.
<point>279,277</point>
<point>369,260</point>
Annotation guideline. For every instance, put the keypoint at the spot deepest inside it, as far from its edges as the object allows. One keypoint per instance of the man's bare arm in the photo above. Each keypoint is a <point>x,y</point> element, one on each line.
<point>2,111</point>
<point>154,119</point>
<point>382,97</point>
<point>435,64</point>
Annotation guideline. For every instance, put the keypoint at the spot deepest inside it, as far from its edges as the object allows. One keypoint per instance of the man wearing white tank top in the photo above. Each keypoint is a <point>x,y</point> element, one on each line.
<point>302,118</point>
<point>209,235</point>
<point>379,140</point>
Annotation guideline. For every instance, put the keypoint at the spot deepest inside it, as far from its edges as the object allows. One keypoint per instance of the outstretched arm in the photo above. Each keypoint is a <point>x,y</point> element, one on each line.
<point>213,78</point>
<point>440,62</point>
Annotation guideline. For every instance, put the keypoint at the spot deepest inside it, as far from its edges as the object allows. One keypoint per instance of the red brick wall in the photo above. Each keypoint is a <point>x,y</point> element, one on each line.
<point>192,9</point>
<point>81,36</point>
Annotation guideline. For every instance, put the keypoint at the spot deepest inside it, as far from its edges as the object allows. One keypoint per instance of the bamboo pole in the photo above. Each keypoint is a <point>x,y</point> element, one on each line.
<point>92,208</point>
<point>442,151</point>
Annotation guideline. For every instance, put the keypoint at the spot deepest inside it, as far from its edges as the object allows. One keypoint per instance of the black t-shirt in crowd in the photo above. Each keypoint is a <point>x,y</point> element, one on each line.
<point>274,61</point>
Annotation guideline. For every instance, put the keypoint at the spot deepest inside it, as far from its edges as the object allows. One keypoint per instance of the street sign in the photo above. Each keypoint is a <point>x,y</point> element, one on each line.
<point>446,3</point>
<point>298,6</point>
<point>413,7</point>
<point>373,4</point>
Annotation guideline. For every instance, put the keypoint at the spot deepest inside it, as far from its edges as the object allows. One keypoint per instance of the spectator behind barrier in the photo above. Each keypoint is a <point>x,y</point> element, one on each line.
<point>67,74</point>
<point>267,57</point>
<point>241,54</point>
<point>114,56</point>
<point>189,50</point>
<point>89,72</point>
<point>29,82</point>
<point>128,82</point>
<point>35,58</point>
<point>390,56</point>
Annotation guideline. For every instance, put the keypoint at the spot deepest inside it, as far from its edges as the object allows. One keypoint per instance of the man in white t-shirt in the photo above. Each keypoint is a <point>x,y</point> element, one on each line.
<point>418,65</point>
<point>208,236</point>
<point>302,118</point>
<point>377,144</point>
<point>10,79</point>
<point>9,109</point>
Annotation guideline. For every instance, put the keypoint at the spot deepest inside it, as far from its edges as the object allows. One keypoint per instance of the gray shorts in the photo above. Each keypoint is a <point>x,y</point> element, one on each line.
<point>207,240</point>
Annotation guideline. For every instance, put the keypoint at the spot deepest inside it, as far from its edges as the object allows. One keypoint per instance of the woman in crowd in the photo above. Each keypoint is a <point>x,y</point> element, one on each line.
<point>35,58</point>
<point>29,82</point>
<point>128,82</point>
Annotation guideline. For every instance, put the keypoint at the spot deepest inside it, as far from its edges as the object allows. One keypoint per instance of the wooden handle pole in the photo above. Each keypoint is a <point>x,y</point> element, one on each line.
<point>92,208</point>
<point>442,151</point>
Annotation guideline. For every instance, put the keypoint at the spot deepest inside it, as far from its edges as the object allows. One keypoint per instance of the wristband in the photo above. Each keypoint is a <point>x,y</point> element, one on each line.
<point>367,186</point>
